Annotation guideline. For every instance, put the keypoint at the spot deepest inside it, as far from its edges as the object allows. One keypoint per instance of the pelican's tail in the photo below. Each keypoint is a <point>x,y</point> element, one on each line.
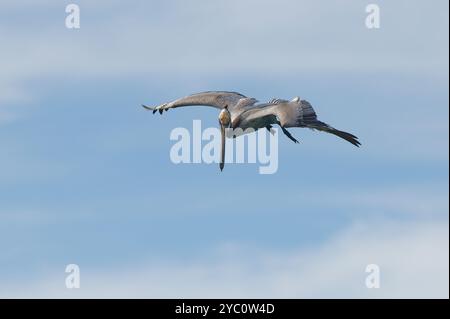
<point>307,118</point>
<point>321,126</point>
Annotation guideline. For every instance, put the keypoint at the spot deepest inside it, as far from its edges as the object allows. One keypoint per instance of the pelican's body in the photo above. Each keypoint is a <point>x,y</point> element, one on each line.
<point>239,111</point>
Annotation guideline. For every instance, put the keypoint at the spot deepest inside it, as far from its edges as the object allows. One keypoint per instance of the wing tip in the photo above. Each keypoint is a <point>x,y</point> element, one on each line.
<point>148,107</point>
<point>153,109</point>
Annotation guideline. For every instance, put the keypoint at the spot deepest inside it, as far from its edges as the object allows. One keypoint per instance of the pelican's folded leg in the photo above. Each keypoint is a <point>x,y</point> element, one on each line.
<point>286,132</point>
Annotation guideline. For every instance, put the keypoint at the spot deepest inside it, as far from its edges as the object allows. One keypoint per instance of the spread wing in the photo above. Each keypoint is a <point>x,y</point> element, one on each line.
<point>296,113</point>
<point>217,99</point>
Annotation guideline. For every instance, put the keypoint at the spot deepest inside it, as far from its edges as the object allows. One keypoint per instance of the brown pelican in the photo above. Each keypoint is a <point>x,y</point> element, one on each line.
<point>239,111</point>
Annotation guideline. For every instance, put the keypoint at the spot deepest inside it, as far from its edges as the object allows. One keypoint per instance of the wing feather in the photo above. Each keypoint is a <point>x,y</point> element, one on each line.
<point>217,99</point>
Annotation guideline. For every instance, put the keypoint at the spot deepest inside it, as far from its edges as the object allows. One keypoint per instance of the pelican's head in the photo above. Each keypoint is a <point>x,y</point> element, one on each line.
<point>225,117</point>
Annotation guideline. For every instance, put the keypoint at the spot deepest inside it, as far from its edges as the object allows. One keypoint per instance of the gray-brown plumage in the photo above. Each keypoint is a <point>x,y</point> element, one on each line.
<point>239,111</point>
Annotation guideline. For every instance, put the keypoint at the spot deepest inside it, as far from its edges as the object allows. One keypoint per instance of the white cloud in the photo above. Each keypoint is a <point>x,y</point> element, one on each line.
<point>411,201</point>
<point>224,36</point>
<point>413,257</point>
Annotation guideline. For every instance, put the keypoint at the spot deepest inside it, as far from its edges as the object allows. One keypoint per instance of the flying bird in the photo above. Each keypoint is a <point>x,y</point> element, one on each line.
<point>239,111</point>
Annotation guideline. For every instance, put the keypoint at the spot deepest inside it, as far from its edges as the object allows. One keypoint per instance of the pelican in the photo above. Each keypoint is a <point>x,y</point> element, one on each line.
<point>239,111</point>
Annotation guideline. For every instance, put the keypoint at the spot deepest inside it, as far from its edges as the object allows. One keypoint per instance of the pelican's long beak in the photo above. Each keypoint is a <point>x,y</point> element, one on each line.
<point>222,151</point>
<point>224,121</point>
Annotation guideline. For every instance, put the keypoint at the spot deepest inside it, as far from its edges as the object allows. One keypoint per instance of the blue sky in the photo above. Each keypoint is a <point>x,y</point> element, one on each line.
<point>86,176</point>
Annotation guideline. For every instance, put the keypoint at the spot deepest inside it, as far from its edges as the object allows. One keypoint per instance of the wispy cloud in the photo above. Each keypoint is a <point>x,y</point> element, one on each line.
<point>413,259</point>
<point>175,37</point>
